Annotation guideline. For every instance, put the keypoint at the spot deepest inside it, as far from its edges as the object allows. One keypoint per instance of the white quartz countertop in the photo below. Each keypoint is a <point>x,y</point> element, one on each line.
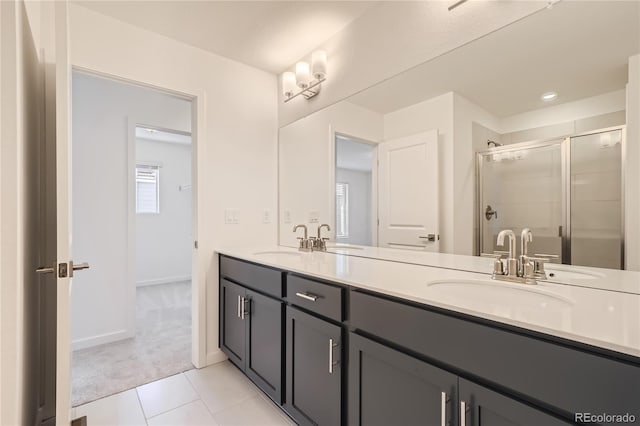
<point>600,278</point>
<point>603,318</point>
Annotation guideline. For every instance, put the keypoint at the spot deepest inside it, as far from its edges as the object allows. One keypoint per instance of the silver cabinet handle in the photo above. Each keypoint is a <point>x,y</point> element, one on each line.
<point>245,311</point>
<point>331,363</point>
<point>443,409</point>
<point>239,311</point>
<point>463,413</point>
<point>307,296</point>
<point>243,306</point>
<point>430,237</point>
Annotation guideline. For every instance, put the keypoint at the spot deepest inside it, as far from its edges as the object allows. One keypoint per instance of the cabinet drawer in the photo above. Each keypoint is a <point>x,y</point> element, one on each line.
<point>315,296</point>
<point>260,278</point>
<point>566,379</point>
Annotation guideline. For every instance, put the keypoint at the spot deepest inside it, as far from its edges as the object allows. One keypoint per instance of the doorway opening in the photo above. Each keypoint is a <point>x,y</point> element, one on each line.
<point>355,191</point>
<point>132,220</point>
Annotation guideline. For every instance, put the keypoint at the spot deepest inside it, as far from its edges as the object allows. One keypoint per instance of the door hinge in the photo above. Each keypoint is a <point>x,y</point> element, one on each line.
<point>195,244</point>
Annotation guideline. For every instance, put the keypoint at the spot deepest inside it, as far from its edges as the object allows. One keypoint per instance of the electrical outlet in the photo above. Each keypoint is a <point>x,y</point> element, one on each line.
<point>266,215</point>
<point>232,216</point>
<point>286,216</point>
<point>314,216</point>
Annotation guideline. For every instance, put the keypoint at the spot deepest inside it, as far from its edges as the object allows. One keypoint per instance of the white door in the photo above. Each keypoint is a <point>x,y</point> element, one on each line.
<point>56,201</point>
<point>408,192</point>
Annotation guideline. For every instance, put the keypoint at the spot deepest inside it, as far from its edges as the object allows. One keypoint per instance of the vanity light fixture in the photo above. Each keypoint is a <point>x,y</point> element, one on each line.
<point>307,77</point>
<point>549,96</point>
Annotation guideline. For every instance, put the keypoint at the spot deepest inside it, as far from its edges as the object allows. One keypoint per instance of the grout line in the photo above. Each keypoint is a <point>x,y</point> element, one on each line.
<point>141,407</point>
<point>173,409</point>
<point>199,398</point>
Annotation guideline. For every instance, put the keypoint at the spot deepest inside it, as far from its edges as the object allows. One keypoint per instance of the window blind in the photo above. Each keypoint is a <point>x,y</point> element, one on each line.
<point>147,189</point>
<point>342,210</point>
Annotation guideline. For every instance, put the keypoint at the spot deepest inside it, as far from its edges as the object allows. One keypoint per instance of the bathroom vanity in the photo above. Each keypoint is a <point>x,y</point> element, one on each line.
<point>338,339</point>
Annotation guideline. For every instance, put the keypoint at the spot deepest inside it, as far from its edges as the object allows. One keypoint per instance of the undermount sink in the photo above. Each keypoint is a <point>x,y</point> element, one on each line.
<point>570,273</point>
<point>278,253</point>
<point>344,247</point>
<point>518,301</point>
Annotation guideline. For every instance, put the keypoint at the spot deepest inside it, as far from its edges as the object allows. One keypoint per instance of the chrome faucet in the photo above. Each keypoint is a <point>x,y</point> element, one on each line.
<point>320,243</point>
<point>524,264</point>
<point>512,263</point>
<point>522,269</point>
<point>305,242</point>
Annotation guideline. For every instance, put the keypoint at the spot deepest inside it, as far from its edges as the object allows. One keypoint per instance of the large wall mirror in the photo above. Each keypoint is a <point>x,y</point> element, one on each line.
<point>524,127</point>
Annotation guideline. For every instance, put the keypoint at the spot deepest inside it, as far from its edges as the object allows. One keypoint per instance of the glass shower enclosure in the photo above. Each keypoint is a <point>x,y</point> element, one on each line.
<point>568,191</point>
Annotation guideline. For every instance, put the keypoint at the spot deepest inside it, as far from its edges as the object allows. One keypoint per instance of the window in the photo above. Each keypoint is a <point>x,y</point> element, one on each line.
<point>342,210</point>
<point>147,189</point>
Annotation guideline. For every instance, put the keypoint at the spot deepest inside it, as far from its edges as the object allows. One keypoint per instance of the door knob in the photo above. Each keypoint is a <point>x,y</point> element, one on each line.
<point>64,269</point>
<point>430,237</point>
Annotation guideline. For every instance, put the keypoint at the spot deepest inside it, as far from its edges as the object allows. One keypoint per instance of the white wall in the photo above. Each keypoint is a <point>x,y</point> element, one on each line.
<point>465,113</point>
<point>435,113</point>
<point>360,208</point>
<point>103,301</point>
<point>368,50</point>
<point>235,136</point>
<point>565,113</point>
<point>307,163</point>
<point>164,240</point>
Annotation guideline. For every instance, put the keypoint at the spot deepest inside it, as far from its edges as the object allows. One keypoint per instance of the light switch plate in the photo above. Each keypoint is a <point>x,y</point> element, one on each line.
<point>266,216</point>
<point>286,216</point>
<point>314,216</point>
<point>232,216</point>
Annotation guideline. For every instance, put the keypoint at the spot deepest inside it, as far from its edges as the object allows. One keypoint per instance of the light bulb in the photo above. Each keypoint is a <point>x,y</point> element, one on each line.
<point>303,76</point>
<point>319,64</point>
<point>288,84</point>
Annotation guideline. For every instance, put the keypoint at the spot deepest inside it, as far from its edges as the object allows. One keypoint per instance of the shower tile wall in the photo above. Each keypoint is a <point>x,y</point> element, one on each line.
<point>596,219</point>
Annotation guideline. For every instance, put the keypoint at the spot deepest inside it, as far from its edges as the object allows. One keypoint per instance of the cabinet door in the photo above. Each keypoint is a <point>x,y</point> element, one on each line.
<point>314,370</point>
<point>232,328</point>
<point>264,357</point>
<point>388,387</point>
<point>482,406</point>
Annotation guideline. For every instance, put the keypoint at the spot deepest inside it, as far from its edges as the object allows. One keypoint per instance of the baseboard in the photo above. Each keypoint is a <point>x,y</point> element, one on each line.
<point>101,339</point>
<point>215,357</point>
<point>166,280</point>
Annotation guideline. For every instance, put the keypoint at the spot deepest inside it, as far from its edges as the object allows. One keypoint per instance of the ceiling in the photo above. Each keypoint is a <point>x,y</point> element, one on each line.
<point>578,49</point>
<point>270,35</point>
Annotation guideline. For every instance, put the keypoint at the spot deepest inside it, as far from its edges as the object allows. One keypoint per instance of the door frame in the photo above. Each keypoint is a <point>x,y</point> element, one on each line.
<point>199,265</point>
<point>565,159</point>
<point>333,133</point>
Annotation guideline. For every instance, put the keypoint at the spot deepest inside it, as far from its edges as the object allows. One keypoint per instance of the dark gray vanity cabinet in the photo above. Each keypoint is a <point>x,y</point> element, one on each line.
<point>233,327</point>
<point>251,333</point>
<point>388,387</point>
<point>482,406</point>
<point>313,369</point>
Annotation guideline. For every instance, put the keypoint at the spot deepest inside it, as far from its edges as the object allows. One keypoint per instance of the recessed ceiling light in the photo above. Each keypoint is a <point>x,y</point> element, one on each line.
<point>549,96</point>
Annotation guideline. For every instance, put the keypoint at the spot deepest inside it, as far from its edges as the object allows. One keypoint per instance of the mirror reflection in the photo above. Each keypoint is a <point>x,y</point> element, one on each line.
<point>522,128</point>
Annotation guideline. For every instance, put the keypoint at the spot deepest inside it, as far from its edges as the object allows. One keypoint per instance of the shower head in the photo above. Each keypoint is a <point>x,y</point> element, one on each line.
<point>492,144</point>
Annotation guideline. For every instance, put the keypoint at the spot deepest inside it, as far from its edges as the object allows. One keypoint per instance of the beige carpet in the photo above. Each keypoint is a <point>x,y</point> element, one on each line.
<point>161,348</point>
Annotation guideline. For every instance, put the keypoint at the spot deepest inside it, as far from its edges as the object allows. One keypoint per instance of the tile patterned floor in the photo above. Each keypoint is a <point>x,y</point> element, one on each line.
<point>216,395</point>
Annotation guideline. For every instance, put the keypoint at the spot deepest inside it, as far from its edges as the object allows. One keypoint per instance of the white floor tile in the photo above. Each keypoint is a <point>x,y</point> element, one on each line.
<point>221,385</point>
<point>192,414</point>
<point>122,409</point>
<point>165,395</point>
<point>251,412</point>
